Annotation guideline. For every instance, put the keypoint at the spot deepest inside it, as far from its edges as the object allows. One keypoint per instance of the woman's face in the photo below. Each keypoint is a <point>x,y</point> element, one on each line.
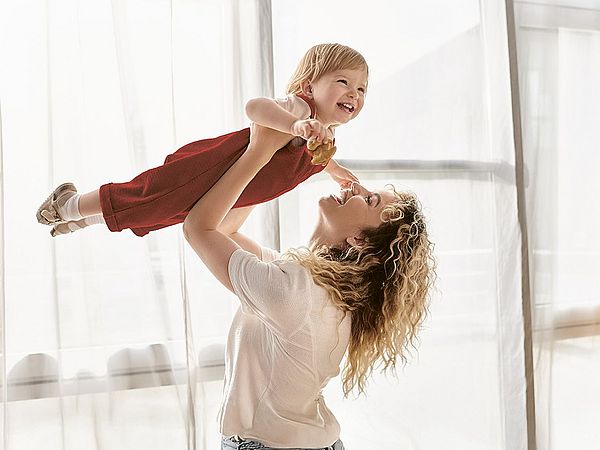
<point>343,216</point>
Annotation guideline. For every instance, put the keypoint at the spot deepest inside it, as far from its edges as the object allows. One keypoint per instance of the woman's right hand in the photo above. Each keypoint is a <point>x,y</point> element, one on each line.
<point>310,129</point>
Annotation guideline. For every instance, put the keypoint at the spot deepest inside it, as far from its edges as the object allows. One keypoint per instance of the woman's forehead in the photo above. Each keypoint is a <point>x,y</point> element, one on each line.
<point>387,196</point>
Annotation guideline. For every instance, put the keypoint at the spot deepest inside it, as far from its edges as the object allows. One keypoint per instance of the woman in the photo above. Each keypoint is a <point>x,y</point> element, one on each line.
<point>361,286</point>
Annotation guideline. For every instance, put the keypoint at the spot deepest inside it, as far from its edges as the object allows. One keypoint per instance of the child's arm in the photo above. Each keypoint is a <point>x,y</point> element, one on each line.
<point>340,174</point>
<point>267,113</point>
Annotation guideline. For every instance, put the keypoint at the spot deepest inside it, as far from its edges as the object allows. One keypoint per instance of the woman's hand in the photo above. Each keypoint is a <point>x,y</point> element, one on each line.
<point>310,129</point>
<point>340,174</point>
<point>264,141</point>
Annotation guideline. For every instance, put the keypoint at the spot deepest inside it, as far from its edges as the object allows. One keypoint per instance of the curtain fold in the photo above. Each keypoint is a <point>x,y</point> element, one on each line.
<point>558,43</point>
<point>3,386</point>
<point>112,341</point>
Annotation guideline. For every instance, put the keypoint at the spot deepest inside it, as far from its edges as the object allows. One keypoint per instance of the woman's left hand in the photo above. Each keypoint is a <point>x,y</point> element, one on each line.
<point>340,174</point>
<point>264,142</point>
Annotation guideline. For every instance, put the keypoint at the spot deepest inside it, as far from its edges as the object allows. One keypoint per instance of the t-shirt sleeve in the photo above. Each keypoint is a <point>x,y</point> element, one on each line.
<point>295,105</point>
<point>268,254</point>
<point>277,292</point>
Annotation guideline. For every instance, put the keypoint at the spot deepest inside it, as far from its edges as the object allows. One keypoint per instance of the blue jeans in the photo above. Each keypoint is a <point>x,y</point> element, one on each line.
<point>237,443</point>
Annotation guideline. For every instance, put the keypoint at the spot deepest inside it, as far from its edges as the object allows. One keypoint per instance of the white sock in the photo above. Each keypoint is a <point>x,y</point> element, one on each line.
<point>94,220</point>
<point>70,210</point>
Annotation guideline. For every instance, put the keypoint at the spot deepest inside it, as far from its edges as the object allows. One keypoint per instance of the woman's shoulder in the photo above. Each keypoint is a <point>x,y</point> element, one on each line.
<point>269,254</point>
<point>278,266</point>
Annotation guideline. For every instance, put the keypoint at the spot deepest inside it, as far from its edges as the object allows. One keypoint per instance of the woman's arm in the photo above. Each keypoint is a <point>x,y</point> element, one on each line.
<point>234,220</point>
<point>230,225</point>
<point>201,224</point>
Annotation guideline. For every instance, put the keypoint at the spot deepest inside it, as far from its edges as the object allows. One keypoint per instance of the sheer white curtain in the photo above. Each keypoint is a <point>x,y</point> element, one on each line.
<point>111,341</point>
<point>437,121</point>
<point>559,61</point>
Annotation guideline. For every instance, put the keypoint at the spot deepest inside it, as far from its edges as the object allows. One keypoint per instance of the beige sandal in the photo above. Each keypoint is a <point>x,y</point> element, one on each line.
<point>68,227</point>
<point>47,214</point>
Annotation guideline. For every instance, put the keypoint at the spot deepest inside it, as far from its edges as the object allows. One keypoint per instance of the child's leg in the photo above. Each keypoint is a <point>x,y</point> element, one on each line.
<point>89,204</point>
<point>65,205</point>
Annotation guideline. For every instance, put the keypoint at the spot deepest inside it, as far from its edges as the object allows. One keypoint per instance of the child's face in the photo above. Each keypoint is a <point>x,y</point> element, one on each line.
<point>339,96</point>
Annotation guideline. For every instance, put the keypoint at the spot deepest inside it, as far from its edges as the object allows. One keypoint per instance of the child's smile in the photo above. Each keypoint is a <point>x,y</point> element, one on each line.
<point>339,96</point>
<point>347,107</point>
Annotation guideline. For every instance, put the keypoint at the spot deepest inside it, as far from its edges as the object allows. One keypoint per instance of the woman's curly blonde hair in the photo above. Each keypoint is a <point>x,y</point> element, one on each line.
<point>384,284</point>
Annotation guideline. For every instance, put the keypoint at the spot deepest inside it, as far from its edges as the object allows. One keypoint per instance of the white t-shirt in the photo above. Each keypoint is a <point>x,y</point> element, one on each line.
<point>286,341</point>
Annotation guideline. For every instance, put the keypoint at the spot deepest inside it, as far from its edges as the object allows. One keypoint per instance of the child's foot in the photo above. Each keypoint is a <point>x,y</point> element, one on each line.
<point>52,210</point>
<point>74,225</point>
<point>67,227</point>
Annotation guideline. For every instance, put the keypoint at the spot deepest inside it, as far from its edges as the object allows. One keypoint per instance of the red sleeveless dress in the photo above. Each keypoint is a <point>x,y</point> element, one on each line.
<point>164,195</point>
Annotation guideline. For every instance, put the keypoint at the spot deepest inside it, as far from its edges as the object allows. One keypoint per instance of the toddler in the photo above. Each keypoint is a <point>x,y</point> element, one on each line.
<point>327,90</point>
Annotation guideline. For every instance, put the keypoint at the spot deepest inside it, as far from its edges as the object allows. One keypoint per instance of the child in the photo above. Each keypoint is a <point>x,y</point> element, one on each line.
<point>326,90</point>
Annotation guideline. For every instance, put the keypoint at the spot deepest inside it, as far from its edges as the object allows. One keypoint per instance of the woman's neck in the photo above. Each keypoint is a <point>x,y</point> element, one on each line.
<point>319,239</point>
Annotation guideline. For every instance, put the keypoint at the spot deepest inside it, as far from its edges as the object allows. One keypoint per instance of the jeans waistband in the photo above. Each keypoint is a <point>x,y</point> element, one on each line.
<point>238,443</point>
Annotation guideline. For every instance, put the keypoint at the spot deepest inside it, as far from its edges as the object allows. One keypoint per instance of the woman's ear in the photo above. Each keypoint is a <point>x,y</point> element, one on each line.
<point>306,88</point>
<point>356,241</point>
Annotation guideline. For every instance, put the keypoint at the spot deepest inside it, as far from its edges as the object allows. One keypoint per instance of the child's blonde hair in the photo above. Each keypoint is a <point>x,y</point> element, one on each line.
<point>322,59</point>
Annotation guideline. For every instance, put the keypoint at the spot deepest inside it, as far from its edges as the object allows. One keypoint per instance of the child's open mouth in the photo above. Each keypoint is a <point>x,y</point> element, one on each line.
<point>347,107</point>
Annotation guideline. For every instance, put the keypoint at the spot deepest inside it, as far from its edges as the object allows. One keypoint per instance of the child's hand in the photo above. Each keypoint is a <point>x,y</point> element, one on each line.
<point>340,174</point>
<point>310,129</point>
